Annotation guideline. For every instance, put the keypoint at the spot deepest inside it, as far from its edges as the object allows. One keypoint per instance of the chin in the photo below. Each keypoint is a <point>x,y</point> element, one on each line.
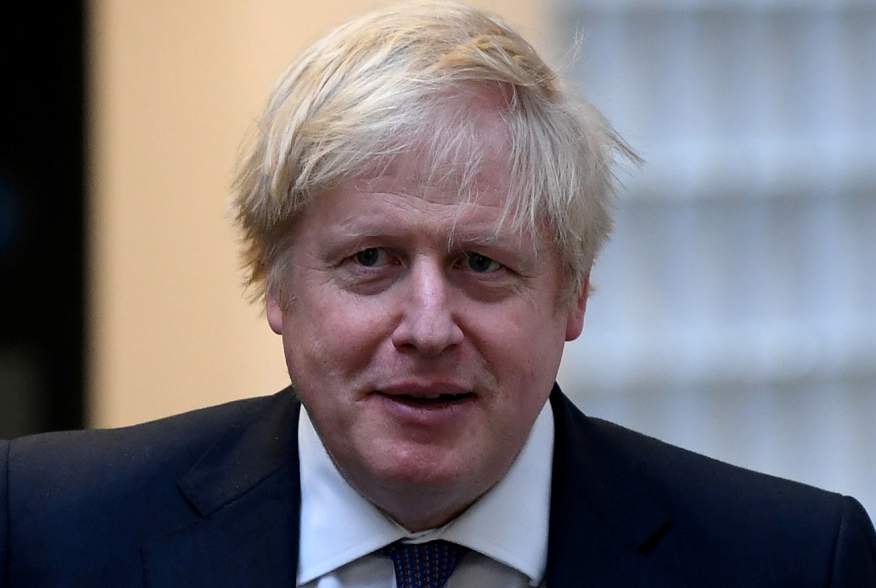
<point>416,471</point>
<point>421,465</point>
<point>420,497</point>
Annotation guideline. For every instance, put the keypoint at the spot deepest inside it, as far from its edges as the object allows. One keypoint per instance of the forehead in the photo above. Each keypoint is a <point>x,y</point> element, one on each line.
<point>452,177</point>
<point>423,183</point>
<point>444,202</point>
<point>408,199</point>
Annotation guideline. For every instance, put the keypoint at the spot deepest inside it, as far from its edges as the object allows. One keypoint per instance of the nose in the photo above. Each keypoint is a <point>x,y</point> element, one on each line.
<point>427,326</point>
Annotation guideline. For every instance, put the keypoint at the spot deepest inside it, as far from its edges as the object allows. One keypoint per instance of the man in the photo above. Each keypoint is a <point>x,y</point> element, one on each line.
<point>421,206</point>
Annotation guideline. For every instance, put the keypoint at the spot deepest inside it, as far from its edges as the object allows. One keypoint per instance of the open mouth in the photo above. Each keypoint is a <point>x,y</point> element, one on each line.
<point>430,401</point>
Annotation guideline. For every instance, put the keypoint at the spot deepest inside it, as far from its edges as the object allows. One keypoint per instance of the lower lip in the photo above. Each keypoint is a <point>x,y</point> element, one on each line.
<point>425,414</point>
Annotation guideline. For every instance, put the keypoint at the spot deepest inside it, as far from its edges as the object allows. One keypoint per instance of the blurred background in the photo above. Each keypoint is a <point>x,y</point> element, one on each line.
<point>735,306</point>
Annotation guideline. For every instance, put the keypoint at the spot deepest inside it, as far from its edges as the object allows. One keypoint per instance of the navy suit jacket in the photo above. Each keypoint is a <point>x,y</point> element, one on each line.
<point>211,498</point>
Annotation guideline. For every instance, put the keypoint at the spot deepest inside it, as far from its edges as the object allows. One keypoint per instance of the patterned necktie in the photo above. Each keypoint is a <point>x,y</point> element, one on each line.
<point>423,565</point>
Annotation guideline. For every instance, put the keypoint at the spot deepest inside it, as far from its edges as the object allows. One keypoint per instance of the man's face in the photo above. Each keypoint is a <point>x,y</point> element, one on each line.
<point>422,360</point>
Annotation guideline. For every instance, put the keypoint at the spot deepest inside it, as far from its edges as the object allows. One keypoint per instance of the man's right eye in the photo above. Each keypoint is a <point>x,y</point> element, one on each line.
<point>371,257</point>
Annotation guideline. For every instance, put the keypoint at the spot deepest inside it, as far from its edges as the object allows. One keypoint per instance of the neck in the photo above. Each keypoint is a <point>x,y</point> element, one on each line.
<point>422,518</point>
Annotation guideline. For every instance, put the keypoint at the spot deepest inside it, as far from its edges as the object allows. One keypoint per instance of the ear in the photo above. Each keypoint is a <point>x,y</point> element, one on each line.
<point>274,312</point>
<point>575,317</point>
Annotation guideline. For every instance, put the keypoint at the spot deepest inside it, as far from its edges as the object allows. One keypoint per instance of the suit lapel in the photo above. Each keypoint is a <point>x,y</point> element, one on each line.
<point>606,520</point>
<point>246,490</point>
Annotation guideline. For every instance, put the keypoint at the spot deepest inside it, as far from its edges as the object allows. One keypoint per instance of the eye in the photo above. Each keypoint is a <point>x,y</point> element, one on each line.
<point>480,264</point>
<point>371,257</point>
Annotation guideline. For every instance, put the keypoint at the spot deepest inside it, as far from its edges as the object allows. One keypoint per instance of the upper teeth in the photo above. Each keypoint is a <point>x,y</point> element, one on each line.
<point>432,396</point>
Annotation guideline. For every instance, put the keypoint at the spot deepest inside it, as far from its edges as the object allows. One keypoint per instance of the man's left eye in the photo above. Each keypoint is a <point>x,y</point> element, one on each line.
<point>371,257</point>
<point>481,264</point>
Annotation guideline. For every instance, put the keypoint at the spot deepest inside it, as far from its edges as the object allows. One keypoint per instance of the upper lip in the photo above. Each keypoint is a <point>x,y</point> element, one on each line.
<point>424,389</point>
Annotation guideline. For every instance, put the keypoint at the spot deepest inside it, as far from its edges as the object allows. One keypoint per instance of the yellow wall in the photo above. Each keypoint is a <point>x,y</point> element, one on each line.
<point>175,84</point>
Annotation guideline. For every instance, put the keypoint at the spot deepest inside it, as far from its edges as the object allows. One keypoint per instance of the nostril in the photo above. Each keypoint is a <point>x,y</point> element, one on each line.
<point>427,336</point>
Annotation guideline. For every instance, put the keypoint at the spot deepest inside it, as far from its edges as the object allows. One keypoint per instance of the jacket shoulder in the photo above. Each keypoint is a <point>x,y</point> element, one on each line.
<point>109,455</point>
<point>86,500</point>
<point>735,522</point>
<point>687,478</point>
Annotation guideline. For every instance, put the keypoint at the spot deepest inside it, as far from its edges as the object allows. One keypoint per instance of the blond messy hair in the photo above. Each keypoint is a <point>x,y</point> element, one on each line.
<point>389,83</point>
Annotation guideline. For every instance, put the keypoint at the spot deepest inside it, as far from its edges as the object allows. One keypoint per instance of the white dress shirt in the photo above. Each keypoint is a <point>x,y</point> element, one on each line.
<point>506,529</point>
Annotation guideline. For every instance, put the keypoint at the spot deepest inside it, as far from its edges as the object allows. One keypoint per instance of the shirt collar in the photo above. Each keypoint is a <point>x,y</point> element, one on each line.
<point>339,526</point>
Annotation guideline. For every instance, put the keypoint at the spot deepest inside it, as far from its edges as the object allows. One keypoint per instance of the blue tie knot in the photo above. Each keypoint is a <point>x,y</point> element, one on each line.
<point>423,565</point>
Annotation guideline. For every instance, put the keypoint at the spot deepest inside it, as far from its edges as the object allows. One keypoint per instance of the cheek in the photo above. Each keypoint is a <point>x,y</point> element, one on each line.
<point>331,337</point>
<point>523,341</point>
